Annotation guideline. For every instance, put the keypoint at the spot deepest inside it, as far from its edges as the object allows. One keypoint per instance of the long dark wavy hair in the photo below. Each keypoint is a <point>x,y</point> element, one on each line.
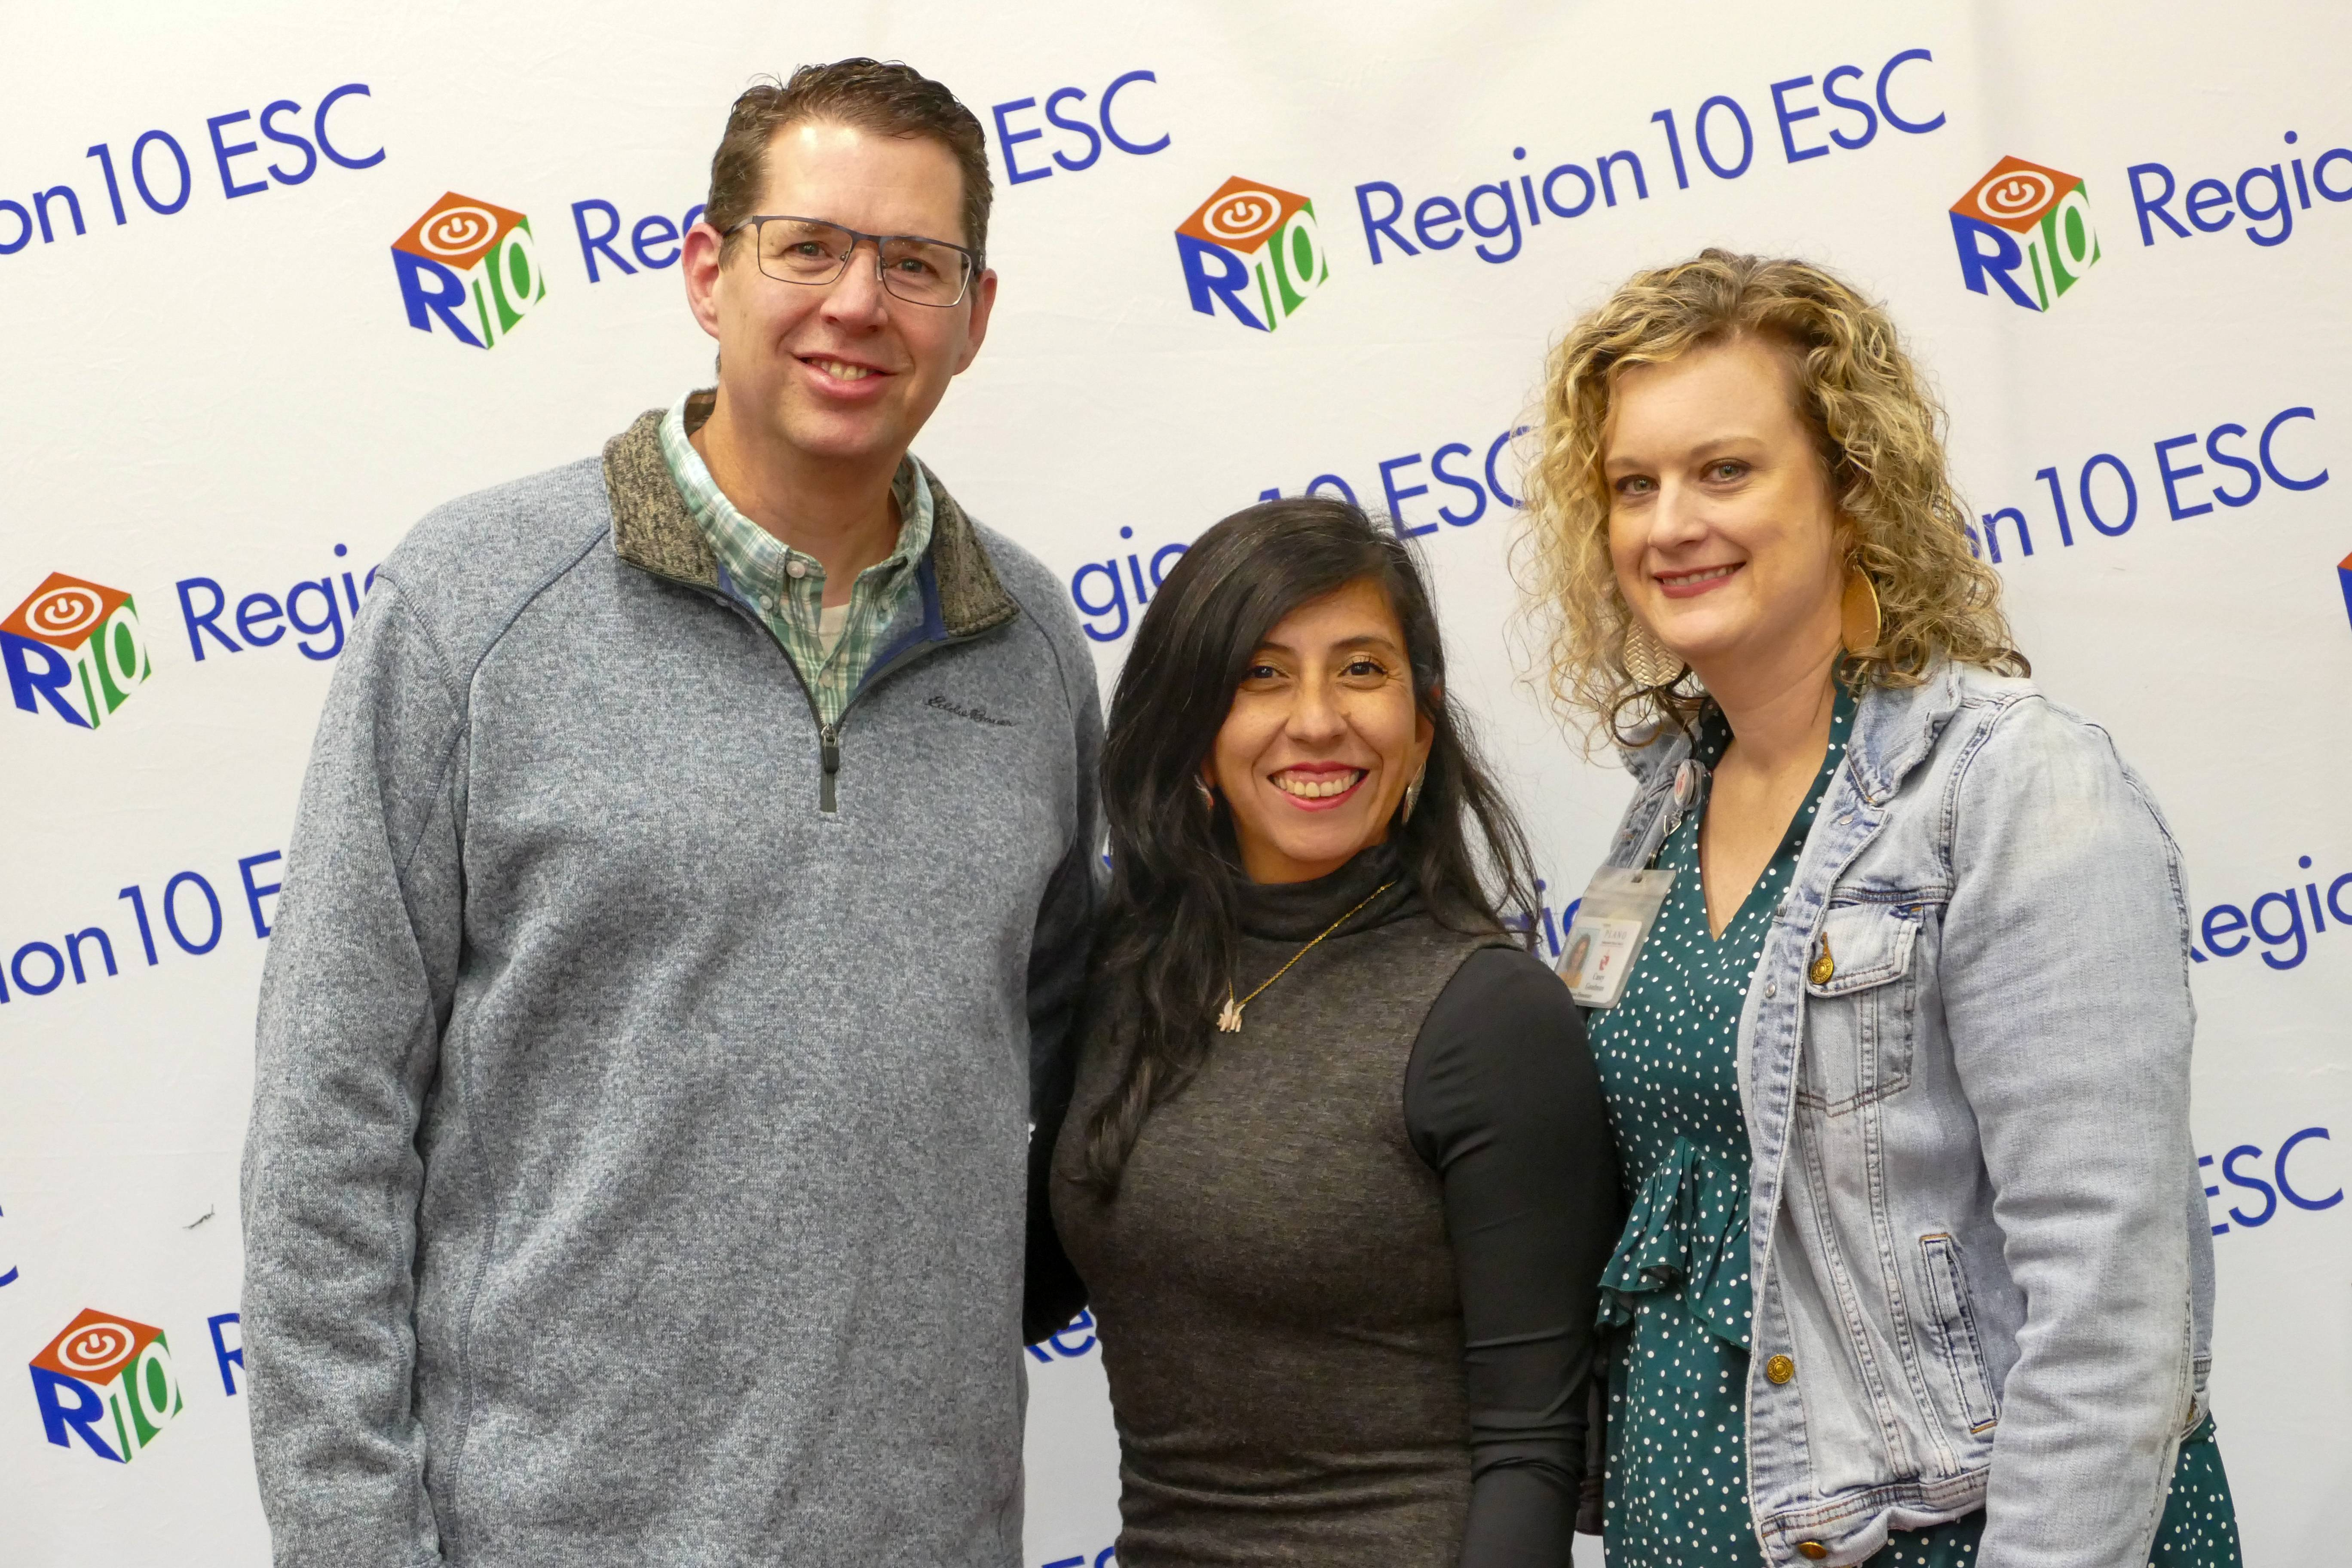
<point>1170,936</point>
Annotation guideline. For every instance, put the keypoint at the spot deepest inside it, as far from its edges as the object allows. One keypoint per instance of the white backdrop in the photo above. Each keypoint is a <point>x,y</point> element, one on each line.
<point>217,405</point>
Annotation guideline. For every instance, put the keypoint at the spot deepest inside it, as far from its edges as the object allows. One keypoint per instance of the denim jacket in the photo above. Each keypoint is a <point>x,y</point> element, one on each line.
<point>1983,1271</point>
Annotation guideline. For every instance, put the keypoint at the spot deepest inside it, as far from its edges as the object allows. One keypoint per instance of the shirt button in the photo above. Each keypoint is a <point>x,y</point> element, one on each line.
<point>1780,1369</point>
<point>767,603</point>
<point>1812,1549</point>
<point>796,570</point>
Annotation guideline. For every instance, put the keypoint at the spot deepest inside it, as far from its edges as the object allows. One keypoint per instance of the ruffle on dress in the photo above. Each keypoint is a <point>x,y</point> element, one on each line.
<point>1687,1236</point>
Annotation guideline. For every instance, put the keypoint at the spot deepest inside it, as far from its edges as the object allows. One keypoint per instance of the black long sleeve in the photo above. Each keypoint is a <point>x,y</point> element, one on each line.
<point>1051,1293</point>
<point>1502,1100</point>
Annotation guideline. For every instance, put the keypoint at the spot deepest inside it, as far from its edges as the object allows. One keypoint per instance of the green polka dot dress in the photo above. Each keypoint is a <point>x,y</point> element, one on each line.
<point>1675,1296</point>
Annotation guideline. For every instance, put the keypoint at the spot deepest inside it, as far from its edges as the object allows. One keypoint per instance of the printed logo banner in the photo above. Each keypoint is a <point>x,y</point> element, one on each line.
<point>1254,250</point>
<point>2028,229</point>
<point>1240,255</point>
<point>76,647</point>
<point>471,266</point>
<point>107,1380</point>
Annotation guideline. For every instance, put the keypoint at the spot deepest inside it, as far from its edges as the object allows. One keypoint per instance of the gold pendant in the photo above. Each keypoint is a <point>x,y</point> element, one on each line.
<point>1229,1022</point>
<point>1824,967</point>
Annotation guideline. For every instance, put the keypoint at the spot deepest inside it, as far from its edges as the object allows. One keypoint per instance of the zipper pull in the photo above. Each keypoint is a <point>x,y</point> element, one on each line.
<point>830,754</point>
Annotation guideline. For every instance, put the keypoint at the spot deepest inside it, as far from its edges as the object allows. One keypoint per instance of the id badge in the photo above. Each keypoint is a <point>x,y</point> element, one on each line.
<point>1613,920</point>
<point>1621,903</point>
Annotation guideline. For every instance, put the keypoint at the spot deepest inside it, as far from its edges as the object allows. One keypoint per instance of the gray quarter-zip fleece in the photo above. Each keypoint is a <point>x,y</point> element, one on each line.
<point>643,1074</point>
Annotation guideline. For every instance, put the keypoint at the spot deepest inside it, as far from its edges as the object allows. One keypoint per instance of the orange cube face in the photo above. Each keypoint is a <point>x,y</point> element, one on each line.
<point>64,611</point>
<point>95,1346</point>
<point>1242,215</point>
<point>2014,194</point>
<point>458,231</point>
<point>109,1382</point>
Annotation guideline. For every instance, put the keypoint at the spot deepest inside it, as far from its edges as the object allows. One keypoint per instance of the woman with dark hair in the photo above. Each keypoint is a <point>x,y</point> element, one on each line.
<point>1336,1172</point>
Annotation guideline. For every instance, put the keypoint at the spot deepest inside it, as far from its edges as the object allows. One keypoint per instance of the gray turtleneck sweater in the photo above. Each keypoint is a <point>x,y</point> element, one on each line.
<point>1347,1287</point>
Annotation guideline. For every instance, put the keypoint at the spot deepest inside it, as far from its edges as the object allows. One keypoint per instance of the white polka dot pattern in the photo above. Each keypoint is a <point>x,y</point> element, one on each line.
<point>1678,1291</point>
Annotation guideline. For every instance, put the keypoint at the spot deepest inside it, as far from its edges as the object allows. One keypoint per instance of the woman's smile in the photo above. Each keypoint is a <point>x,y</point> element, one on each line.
<point>1690,584</point>
<point>1318,786</point>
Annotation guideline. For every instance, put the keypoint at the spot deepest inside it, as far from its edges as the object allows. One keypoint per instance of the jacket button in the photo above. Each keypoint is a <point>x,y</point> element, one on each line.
<point>1780,1369</point>
<point>1813,1549</point>
<point>1772,989</point>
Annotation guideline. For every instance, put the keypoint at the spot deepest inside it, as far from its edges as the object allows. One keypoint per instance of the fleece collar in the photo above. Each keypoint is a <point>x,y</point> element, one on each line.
<point>652,530</point>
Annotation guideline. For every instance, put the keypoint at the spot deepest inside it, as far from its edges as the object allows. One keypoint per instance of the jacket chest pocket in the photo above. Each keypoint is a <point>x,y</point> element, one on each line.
<point>1861,993</point>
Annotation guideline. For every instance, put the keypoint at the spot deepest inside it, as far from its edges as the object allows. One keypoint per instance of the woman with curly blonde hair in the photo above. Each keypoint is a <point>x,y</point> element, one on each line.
<point>1889,971</point>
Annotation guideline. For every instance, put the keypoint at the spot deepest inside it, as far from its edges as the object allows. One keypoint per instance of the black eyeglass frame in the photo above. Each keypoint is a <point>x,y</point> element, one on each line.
<point>971,258</point>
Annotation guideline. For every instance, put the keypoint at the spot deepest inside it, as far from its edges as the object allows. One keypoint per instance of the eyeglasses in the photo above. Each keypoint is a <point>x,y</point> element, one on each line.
<point>810,250</point>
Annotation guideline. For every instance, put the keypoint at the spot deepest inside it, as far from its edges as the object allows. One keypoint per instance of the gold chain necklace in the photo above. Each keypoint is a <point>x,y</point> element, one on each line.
<point>1229,1020</point>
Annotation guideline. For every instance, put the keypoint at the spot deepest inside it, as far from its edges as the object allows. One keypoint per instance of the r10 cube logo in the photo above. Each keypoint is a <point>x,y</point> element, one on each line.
<point>2027,228</point>
<point>108,1381</point>
<point>472,265</point>
<point>76,646</point>
<point>1254,249</point>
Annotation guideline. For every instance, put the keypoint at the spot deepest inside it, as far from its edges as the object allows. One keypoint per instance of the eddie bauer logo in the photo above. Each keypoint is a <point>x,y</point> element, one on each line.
<point>977,715</point>
<point>470,266</point>
<point>2026,228</point>
<point>108,1380</point>
<point>1254,250</point>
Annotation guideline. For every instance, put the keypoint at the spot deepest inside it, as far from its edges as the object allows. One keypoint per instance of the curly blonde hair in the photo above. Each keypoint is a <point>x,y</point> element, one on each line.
<point>1879,432</point>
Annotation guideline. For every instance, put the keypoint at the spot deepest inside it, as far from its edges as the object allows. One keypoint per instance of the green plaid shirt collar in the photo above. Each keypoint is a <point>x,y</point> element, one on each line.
<point>786,587</point>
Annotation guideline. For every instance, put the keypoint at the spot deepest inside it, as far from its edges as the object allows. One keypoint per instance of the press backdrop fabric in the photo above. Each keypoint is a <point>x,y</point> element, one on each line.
<point>277,278</point>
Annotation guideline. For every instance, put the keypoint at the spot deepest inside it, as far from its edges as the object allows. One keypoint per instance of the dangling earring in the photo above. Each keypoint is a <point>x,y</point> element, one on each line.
<point>1860,624</point>
<point>1412,794</point>
<point>1208,795</point>
<point>1647,661</point>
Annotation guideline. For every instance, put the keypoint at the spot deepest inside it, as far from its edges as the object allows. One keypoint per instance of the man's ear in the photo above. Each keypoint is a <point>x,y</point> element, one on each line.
<point>702,263</point>
<point>984,300</point>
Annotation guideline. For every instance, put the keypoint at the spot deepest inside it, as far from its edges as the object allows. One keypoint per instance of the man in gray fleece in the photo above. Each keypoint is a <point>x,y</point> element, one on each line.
<point>694,868</point>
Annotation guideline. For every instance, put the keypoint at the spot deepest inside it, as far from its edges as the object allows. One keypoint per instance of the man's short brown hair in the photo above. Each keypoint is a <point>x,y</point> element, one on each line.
<point>888,97</point>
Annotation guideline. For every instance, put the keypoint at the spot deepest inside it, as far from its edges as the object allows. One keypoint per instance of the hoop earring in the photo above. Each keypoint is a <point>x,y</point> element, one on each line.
<point>1646,660</point>
<point>1412,794</point>
<point>1860,623</point>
